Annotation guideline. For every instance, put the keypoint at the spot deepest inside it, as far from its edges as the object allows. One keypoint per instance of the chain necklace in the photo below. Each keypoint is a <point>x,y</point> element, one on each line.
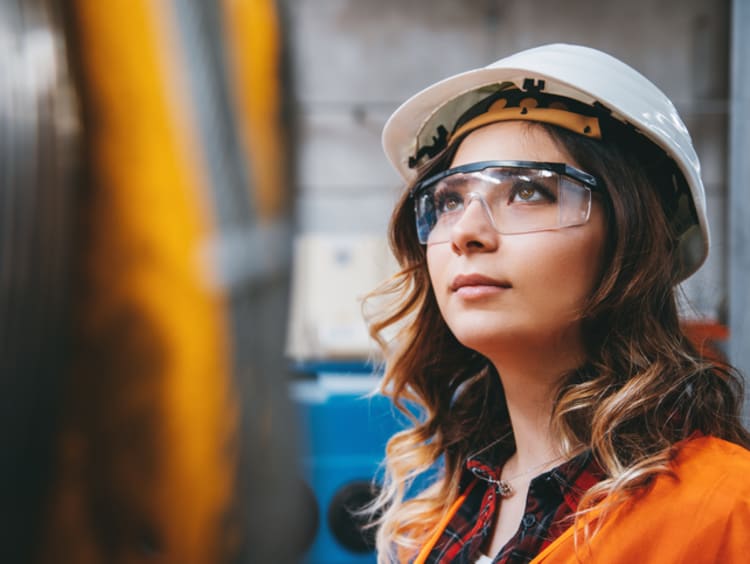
<point>503,485</point>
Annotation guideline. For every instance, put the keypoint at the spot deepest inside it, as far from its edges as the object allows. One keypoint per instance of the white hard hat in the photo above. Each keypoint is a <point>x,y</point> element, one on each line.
<point>575,72</point>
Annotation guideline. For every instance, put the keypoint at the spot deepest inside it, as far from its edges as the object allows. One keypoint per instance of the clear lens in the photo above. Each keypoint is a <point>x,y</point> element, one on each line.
<point>515,199</point>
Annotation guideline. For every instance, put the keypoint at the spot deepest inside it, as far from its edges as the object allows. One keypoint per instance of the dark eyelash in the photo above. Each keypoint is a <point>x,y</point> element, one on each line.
<point>441,196</point>
<point>535,185</point>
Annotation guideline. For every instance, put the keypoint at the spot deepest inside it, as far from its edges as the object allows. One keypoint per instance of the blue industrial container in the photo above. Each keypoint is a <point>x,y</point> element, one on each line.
<point>344,429</point>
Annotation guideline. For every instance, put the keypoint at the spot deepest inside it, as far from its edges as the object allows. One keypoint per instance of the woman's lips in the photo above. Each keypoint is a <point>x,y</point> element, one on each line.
<point>477,285</point>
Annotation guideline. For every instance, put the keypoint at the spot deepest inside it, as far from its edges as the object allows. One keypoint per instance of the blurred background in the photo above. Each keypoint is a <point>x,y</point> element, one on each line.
<point>193,202</point>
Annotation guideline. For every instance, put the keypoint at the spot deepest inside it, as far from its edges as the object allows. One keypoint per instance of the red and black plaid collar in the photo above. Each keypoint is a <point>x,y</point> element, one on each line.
<point>574,477</point>
<point>553,498</point>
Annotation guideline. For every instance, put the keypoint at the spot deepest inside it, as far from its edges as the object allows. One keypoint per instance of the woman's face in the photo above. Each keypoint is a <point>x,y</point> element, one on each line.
<point>515,292</point>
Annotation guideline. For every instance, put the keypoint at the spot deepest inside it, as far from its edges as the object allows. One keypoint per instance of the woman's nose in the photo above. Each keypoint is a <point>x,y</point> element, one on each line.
<point>475,230</point>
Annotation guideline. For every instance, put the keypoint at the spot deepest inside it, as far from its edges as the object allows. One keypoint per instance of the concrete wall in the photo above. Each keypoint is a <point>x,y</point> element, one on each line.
<point>354,61</point>
<point>739,195</point>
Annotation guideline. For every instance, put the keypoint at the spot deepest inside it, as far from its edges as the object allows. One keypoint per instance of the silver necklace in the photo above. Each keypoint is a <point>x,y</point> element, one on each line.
<point>503,485</point>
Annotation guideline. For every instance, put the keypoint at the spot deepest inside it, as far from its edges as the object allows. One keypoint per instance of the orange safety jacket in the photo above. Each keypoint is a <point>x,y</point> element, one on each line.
<point>698,514</point>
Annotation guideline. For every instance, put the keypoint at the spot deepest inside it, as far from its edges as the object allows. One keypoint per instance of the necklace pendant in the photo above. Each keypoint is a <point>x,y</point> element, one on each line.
<point>505,489</point>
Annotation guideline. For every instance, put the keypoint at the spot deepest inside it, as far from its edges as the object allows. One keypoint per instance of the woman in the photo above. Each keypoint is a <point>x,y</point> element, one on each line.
<point>554,202</point>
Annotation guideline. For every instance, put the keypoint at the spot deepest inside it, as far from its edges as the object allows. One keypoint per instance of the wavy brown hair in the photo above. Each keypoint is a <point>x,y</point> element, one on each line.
<point>642,389</point>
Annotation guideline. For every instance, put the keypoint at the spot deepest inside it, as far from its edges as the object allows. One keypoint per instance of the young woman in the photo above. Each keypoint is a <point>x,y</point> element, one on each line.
<point>554,202</point>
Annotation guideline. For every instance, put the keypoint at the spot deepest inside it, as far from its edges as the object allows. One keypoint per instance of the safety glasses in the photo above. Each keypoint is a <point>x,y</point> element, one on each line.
<point>517,196</point>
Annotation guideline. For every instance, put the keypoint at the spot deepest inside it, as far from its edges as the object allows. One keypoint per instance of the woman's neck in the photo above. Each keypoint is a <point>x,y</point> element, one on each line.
<point>530,408</point>
<point>530,382</point>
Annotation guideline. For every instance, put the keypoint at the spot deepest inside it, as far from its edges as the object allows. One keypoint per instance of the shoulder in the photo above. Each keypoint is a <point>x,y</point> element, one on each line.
<point>702,449</point>
<point>708,465</point>
<point>702,508</point>
<point>700,512</point>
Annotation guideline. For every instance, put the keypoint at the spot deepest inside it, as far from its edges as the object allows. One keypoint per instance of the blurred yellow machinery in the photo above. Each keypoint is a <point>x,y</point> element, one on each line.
<point>145,242</point>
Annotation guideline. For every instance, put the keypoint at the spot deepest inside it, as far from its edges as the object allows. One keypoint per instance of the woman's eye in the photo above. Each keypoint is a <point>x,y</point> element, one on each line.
<point>527,192</point>
<point>447,203</point>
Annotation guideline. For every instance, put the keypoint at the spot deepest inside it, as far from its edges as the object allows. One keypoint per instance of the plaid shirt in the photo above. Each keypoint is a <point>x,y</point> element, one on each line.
<point>552,497</point>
